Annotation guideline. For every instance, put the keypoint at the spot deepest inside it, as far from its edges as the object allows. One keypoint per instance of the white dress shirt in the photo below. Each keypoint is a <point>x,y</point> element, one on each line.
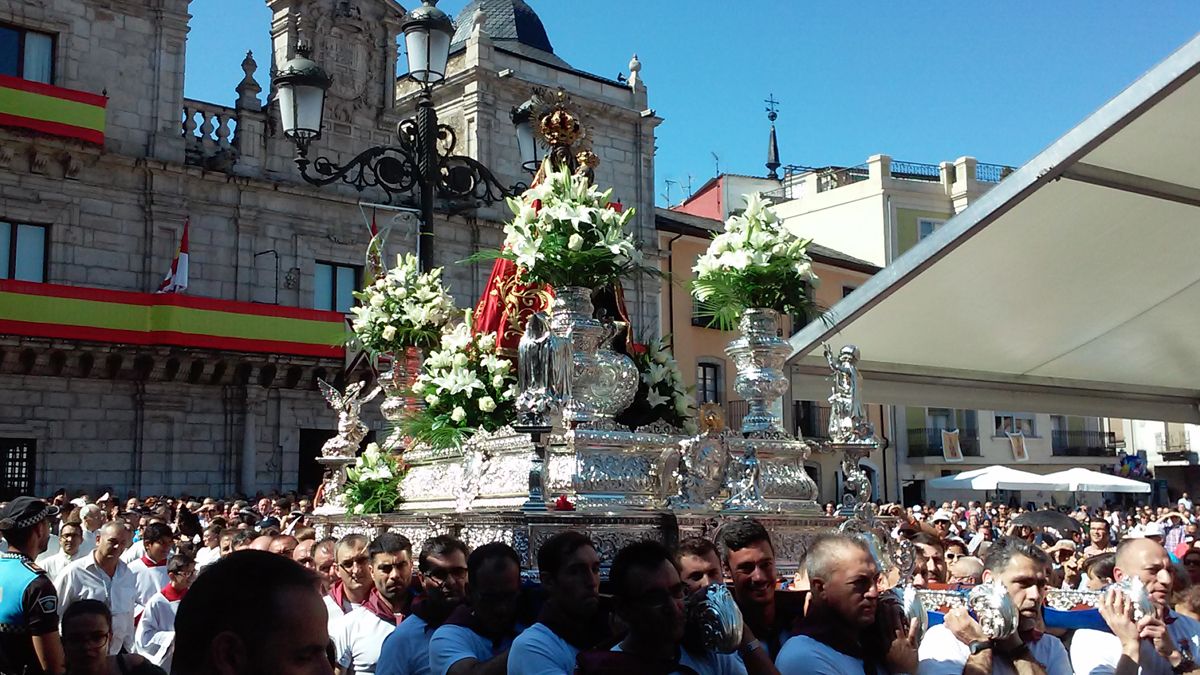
<point>155,634</point>
<point>55,564</point>
<point>207,556</point>
<point>136,550</point>
<point>1095,652</point>
<point>84,580</point>
<point>943,654</point>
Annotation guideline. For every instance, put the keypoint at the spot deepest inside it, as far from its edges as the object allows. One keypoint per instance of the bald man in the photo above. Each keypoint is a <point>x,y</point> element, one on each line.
<point>284,545</point>
<point>262,543</point>
<point>1162,643</point>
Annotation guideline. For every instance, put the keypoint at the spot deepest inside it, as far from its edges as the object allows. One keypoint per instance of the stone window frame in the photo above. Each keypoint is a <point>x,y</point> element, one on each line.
<point>332,305</point>
<point>22,31</point>
<point>8,259</point>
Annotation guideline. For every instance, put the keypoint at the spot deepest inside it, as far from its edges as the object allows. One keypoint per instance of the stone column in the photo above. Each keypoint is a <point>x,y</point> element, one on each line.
<point>248,477</point>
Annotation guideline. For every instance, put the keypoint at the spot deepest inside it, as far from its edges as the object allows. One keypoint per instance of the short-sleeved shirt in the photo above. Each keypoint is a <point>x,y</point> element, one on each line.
<point>802,654</point>
<point>452,643</point>
<point>540,651</point>
<point>406,650</point>
<point>708,663</point>
<point>359,638</point>
<point>942,653</point>
<point>28,607</point>
<point>1096,652</point>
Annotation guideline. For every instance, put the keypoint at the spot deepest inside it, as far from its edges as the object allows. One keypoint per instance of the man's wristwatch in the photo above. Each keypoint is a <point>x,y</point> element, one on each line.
<point>979,646</point>
<point>749,648</point>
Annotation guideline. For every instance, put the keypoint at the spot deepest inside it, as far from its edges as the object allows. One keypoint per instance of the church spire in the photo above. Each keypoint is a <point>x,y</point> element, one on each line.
<point>773,144</point>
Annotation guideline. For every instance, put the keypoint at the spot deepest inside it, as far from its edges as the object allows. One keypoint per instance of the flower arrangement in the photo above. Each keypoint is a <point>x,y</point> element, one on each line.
<point>755,262</point>
<point>403,308</point>
<point>566,232</point>
<point>466,388</point>
<point>373,483</point>
<point>662,395</point>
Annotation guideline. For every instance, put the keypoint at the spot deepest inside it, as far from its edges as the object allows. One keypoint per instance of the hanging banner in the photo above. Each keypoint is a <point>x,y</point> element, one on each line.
<point>951,449</point>
<point>1020,454</point>
<point>52,110</point>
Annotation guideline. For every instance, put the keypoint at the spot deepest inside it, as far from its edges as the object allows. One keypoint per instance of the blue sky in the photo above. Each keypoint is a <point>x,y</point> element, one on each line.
<point>921,81</point>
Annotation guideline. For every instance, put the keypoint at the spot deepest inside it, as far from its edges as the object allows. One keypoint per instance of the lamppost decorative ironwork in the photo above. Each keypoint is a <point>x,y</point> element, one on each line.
<point>423,159</point>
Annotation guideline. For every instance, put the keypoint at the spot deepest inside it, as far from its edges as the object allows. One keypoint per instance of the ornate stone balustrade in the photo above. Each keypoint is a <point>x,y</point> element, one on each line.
<point>210,132</point>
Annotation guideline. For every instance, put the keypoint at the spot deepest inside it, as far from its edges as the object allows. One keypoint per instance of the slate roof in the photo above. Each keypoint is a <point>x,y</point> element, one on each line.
<point>512,24</point>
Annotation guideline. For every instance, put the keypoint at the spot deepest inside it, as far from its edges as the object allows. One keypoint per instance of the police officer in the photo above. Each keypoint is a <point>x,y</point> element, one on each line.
<point>29,641</point>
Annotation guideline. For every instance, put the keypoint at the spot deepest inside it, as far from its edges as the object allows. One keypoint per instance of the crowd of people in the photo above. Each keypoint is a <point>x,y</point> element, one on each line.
<point>207,586</point>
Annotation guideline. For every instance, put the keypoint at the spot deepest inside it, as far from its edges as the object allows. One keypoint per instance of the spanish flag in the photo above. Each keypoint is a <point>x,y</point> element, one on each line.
<point>52,110</point>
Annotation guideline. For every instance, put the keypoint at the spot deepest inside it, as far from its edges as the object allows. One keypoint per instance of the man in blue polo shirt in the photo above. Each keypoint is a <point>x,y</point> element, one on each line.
<point>29,641</point>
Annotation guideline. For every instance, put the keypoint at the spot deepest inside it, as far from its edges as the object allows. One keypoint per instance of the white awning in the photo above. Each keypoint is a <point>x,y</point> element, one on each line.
<point>1086,480</point>
<point>988,478</point>
<point>1071,287</point>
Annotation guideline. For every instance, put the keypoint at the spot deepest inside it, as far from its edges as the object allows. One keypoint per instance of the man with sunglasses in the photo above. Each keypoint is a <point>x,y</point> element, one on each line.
<point>476,637</point>
<point>442,579</point>
<point>353,568</point>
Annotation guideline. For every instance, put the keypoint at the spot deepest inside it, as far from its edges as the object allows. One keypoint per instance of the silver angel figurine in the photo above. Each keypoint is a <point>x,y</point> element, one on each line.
<point>848,422</point>
<point>351,431</point>
<point>745,489</point>
<point>696,470</point>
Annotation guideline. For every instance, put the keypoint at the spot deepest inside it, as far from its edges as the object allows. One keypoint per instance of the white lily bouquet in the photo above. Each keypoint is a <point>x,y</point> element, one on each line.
<point>662,394</point>
<point>566,232</point>
<point>466,387</point>
<point>373,483</point>
<point>755,262</point>
<point>403,308</point>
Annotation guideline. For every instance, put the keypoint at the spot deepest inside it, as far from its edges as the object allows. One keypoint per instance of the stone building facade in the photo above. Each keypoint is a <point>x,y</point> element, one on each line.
<point>106,385</point>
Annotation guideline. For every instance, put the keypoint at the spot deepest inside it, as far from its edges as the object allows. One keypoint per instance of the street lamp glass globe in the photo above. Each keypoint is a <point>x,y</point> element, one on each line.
<point>427,33</point>
<point>301,86</point>
<point>522,118</point>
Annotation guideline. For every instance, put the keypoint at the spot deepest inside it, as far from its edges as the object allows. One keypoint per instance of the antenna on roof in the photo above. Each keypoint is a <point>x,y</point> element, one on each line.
<point>689,186</point>
<point>669,183</point>
<point>717,161</point>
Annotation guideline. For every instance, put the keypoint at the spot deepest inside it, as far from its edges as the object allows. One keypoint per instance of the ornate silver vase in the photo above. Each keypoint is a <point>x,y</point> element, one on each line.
<point>759,356</point>
<point>395,383</point>
<point>603,382</point>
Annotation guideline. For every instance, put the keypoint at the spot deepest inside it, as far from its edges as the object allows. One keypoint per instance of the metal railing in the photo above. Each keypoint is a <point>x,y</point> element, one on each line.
<point>836,177</point>
<point>1082,443</point>
<point>734,412</point>
<point>992,173</point>
<point>928,442</point>
<point>915,171</point>
<point>810,420</point>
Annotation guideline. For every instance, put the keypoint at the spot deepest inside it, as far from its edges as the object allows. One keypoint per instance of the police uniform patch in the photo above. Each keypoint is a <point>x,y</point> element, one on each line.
<point>49,604</point>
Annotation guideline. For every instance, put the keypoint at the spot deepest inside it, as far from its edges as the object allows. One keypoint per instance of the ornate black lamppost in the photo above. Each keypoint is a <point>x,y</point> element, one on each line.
<point>423,159</point>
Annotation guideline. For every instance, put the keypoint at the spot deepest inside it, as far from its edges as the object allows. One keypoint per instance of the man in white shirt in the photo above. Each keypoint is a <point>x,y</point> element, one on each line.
<point>569,568</point>
<point>361,632</point>
<point>353,586</point>
<point>442,569</point>
<point>475,638</point>
<point>102,576</point>
<point>1160,644</point>
<point>150,570</point>
<point>649,599</point>
<point>1184,503</point>
<point>155,634</point>
<point>211,551</point>
<point>836,638</point>
<point>70,539</point>
<point>92,517</point>
<point>960,645</point>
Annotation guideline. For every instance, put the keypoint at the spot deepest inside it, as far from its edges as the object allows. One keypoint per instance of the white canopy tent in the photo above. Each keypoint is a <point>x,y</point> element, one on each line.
<point>1071,287</point>
<point>1086,480</point>
<point>987,478</point>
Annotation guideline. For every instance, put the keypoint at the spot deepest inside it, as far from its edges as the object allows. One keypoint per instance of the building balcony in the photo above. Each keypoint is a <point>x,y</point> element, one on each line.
<point>1068,443</point>
<point>168,319</point>
<point>928,442</point>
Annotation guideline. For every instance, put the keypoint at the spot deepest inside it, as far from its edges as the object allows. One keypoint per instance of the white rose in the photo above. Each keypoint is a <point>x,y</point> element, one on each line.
<point>486,404</point>
<point>458,414</point>
<point>575,243</point>
<point>389,332</point>
<point>432,399</point>
<point>498,380</point>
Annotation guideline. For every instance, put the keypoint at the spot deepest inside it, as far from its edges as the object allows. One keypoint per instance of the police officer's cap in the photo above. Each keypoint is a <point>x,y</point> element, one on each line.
<point>25,512</point>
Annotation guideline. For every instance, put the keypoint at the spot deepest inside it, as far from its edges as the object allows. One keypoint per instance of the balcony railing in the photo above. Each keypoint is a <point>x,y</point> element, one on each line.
<point>931,173</point>
<point>734,412</point>
<point>992,173</point>
<point>810,420</point>
<point>1080,443</point>
<point>928,442</point>
<point>836,177</point>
